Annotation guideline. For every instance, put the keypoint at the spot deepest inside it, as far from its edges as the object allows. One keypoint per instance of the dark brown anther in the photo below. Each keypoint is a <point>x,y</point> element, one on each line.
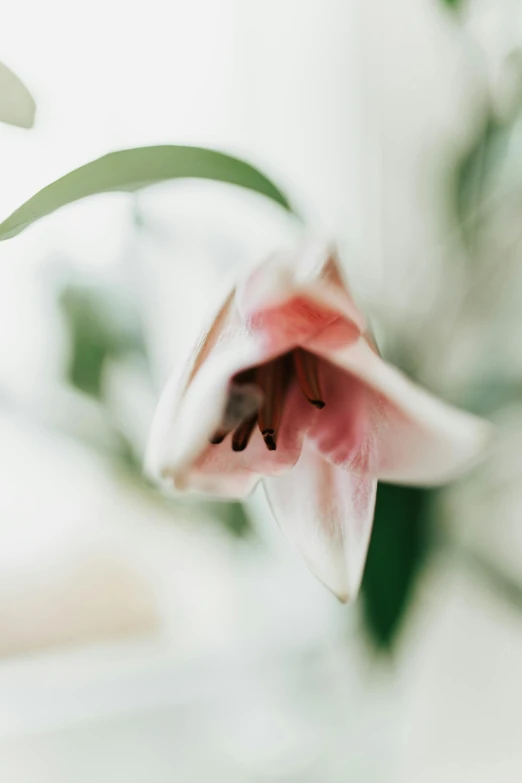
<point>269,438</point>
<point>305,364</point>
<point>244,399</point>
<point>218,437</point>
<point>242,434</point>
<point>272,379</point>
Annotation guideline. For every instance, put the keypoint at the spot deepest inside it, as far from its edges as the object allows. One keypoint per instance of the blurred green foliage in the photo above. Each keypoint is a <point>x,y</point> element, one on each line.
<point>100,327</point>
<point>233,516</point>
<point>454,4</point>
<point>493,574</point>
<point>103,325</point>
<point>475,176</point>
<point>398,547</point>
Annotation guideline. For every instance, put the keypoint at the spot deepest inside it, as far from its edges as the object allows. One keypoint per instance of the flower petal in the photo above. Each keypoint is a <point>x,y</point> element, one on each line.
<point>327,513</point>
<point>392,428</point>
<point>164,424</point>
<point>295,296</point>
<point>183,424</point>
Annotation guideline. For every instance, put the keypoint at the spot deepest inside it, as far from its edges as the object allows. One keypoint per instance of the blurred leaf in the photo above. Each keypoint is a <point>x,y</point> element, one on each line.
<point>17,106</point>
<point>90,341</point>
<point>128,170</point>
<point>492,395</point>
<point>397,549</point>
<point>98,330</point>
<point>454,4</point>
<point>87,360</point>
<point>475,174</point>
<point>494,575</point>
<point>233,516</point>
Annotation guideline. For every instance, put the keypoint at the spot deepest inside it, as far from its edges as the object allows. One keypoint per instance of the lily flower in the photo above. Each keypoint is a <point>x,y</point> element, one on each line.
<point>287,386</point>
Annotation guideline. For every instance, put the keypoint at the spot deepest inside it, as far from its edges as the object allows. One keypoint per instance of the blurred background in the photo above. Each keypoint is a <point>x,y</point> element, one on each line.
<point>146,639</point>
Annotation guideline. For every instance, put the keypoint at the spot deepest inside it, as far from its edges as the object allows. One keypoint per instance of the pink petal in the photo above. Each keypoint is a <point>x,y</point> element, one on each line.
<point>327,513</point>
<point>294,297</point>
<point>345,430</point>
<point>378,422</point>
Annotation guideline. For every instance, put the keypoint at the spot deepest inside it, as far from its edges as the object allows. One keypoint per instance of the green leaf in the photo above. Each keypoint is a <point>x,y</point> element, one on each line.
<point>475,175</point>
<point>233,516</point>
<point>17,106</point>
<point>493,394</point>
<point>454,4</point>
<point>493,574</point>
<point>129,170</point>
<point>397,549</point>
<point>99,328</point>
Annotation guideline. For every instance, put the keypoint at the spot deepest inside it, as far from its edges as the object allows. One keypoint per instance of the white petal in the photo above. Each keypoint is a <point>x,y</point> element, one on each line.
<point>182,426</point>
<point>327,513</point>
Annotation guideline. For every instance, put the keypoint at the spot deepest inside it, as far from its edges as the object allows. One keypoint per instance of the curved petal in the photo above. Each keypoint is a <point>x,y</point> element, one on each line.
<point>327,513</point>
<point>298,295</point>
<point>184,423</point>
<point>380,423</point>
<point>345,432</point>
<point>164,422</point>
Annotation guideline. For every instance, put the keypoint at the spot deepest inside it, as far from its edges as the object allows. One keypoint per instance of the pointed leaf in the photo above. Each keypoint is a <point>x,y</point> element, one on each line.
<point>17,106</point>
<point>398,545</point>
<point>129,170</point>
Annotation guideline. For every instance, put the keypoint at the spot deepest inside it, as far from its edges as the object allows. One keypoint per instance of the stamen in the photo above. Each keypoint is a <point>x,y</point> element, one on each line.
<point>218,437</point>
<point>242,434</point>
<point>272,379</point>
<point>308,376</point>
<point>269,438</point>
<point>244,399</point>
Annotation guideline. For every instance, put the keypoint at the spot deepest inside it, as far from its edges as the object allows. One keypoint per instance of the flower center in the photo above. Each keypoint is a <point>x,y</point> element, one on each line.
<point>257,396</point>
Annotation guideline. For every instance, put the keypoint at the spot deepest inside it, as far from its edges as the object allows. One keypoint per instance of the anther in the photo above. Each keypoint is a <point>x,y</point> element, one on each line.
<point>272,379</point>
<point>244,399</point>
<point>269,438</point>
<point>218,437</point>
<point>305,364</point>
<point>242,434</point>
